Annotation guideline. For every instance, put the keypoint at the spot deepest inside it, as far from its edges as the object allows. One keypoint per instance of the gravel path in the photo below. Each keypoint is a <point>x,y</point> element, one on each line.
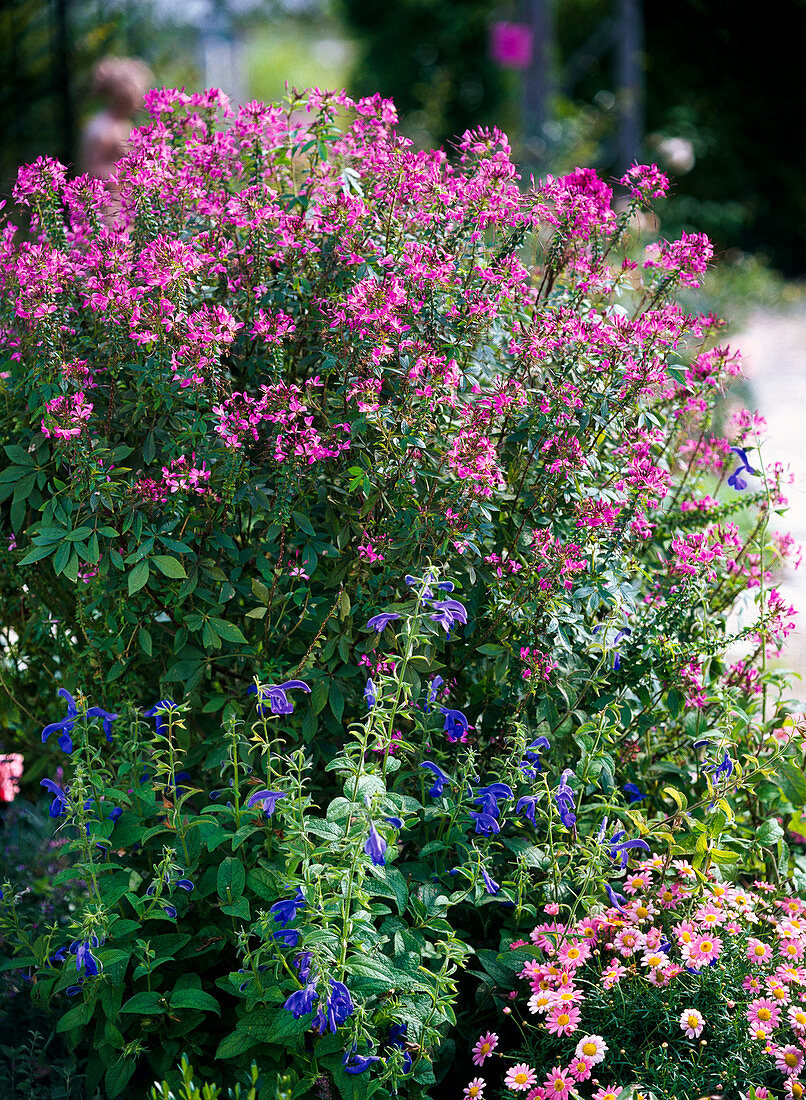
<point>773,347</point>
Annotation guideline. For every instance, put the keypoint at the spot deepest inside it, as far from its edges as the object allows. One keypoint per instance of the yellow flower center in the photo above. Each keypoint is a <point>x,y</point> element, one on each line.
<point>764,1014</point>
<point>800,1018</point>
<point>758,950</point>
<point>473,1091</point>
<point>779,993</point>
<point>693,1021</point>
<point>642,911</point>
<point>486,1048</point>
<point>559,1083</point>
<point>706,945</point>
<point>574,953</point>
<point>563,1019</point>
<point>521,1078</point>
<point>791,1058</point>
<point>589,1049</point>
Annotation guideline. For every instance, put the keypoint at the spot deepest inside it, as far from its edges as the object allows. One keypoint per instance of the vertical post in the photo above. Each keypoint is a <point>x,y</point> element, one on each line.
<point>62,91</point>
<point>537,78</point>
<point>630,82</point>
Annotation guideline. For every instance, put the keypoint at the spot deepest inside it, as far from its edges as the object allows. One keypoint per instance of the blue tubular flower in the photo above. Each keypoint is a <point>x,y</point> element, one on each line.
<point>157,712</point>
<point>618,901</point>
<point>564,798</point>
<point>66,725</point>
<point>58,807</point>
<point>456,725</point>
<point>440,778</point>
<point>303,965</point>
<point>530,765</point>
<point>620,849</point>
<point>86,960</point>
<point>525,807</point>
<point>433,688</point>
<point>736,481</point>
<point>725,768</point>
<point>489,795</point>
<point>299,1004</point>
<point>115,814</point>
<point>339,1005</point>
<point>375,846</point>
<point>486,824</point>
<point>267,799</point>
<point>184,884</point>
<point>635,794</point>
<point>288,937</point>
<point>397,1040</point>
<point>108,719</point>
<point>169,910</point>
<point>448,613</point>
<point>357,1063</point>
<point>276,695</point>
<point>626,631</point>
<point>370,694</point>
<point>285,911</point>
<point>380,622</point>
<point>490,885</point>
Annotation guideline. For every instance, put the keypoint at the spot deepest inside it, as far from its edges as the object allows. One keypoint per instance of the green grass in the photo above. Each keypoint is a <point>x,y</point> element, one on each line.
<point>304,56</point>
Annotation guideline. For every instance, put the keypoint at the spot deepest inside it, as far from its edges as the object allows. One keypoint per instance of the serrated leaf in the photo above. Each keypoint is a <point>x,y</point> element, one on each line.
<point>147,1003</point>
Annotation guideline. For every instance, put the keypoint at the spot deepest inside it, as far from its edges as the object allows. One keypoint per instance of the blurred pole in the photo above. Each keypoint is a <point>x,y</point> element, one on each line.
<point>538,84</point>
<point>630,70</point>
<point>62,90</point>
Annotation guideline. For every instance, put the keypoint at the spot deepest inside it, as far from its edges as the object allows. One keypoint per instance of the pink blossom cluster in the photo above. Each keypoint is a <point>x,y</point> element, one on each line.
<point>10,771</point>
<point>66,417</point>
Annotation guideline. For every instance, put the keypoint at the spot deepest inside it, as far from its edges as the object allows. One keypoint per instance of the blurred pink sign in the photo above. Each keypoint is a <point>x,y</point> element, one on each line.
<point>511,44</point>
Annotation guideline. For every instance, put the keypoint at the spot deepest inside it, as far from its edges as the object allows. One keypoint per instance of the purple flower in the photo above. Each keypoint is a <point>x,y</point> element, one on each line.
<point>289,937</point>
<point>66,725</point>
<point>380,622</point>
<point>58,807</point>
<point>339,1005</point>
<point>485,823</point>
<point>564,798</point>
<point>448,614</point>
<point>617,658</point>
<point>440,778</point>
<point>489,795</point>
<point>370,694</point>
<point>375,846</point>
<point>725,768</point>
<point>634,793</point>
<point>456,725</point>
<point>157,711</point>
<point>276,695</point>
<point>618,901</point>
<point>525,807</point>
<point>490,885</point>
<point>433,688</point>
<point>621,849</point>
<point>184,884</point>
<point>86,961</point>
<point>286,910</point>
<point>267,799</point>
<point>357,1063</point>
<point>108,719</point>
<point>299,1004</point>
<point>303,965</point>
<point>532,755</point>
<point>736,481</point>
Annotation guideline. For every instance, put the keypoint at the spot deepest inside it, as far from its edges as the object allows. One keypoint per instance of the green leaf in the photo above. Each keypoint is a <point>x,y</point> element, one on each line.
<point>19,455</point>
<point>793,782</point>
<point>235,1043</point>
<point>38,553</point>
<point>118,1076</point>
<point>169,566</point>
<point>303,523</point>
<point>770,833</point>
<point>231,879</point>
<point>75,1017</point>
<point>138,577</point>
<point>194,998</point>
<point>228,631</point>
<point>147,1003</point>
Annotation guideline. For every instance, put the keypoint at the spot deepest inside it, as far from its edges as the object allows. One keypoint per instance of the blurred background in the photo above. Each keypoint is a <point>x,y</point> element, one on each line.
<point>710,90</point>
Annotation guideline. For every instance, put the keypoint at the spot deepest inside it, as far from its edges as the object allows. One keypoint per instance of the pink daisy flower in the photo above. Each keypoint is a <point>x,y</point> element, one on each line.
<point>475,1089</point>
<point>628,941</point>
<point>794,1089</point>
<point>703,950</point>
<point>580,1068</point>
<point>757,951</point>
<point>797,1018</point>
<point>692,1023</point>
<point>484,1047</point>
<point>789,1060</point>
<point>520,1078</point>
<point>573,953</point>
<point>592,1047</point>
<point>612,974</point>
<point>611,1092</point>
<point>637,883</point>
<point>562,1019</point>
<point>558,1084</point>
<point>762,1012</point>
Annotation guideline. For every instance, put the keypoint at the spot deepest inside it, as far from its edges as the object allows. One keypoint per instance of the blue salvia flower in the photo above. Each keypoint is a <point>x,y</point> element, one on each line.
<point>58,807</point>
<point>299,1004</point>
<point>456,725</point>
<point>303,963</point>
<point>618,901</point>
<point>525,807</point>
<point>564,799</point>
<point>440,778</point>
<point>357,1063</point>
<point>625,632</point>
<point>397,1040</point>
<point>490,885</point>
<point>66,725</point>
<point>375,846</point>
<point>486,824</point>
<point>286,910</point>
<point>86,961</point>
<point>448,614</point>
<point>339,1005</point>
<point>381,621</point>
<point>488,797</point>
<point>184,884</point>
<point>736,481</point>
<point>157,712</point>
<point>288,937</point>
<point>433,688</point>
<point>268,800</point>
<point>395,822</point>
<point>108,719</point>
<point>276,695</point>
<point>725,768</point>
<point>621,849</point>
<point>370,694</point>
<point>634,793</point>
<point>170,910</point>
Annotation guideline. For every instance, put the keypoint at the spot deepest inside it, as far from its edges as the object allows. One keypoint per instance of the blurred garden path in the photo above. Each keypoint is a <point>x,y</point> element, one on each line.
<point>773,346</point>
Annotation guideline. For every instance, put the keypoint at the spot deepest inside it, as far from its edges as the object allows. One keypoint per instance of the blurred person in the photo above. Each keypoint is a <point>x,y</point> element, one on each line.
<point>122,82</point>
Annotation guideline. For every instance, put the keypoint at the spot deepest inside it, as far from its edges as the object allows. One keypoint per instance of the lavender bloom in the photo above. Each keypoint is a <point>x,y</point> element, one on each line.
<point>375,846</point>
<point>621,849</point>
<point>486,824</point>
<point>299,1004</point>
<point>725,768</point>
<point>156,712</point>
<point>267,799</point>
<point>456,725</point>
<point>170,911</point>
<point>490,885</point>
<point>184,884</point>
<point>433,688</point>
<point>448,613</point>
<point>380,622</point>
<point>634,793</point>
<point>440,778</point>
<point>276,695</point>
<point>58,807</point>
<point>357,1063</point>
<point>525,807</point>
<point>66,725</point>
<point>736,481</point>
<point>370,694</point>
